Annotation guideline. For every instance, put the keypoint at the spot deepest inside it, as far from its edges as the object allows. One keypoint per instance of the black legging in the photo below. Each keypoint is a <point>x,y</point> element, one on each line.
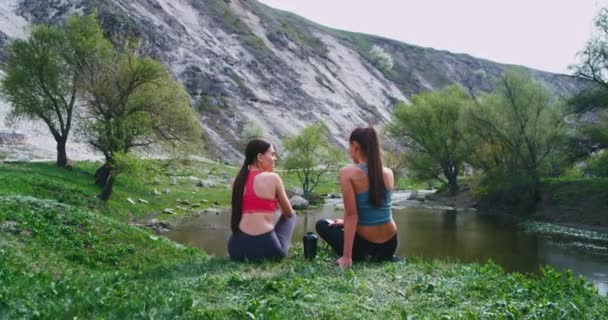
<point>362,249</point>
<point>270,245</point>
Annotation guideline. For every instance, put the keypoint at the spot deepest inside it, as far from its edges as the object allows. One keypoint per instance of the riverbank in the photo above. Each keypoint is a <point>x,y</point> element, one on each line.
<point>81,264</point>
<point>573,202</point>
<point>64,254</point>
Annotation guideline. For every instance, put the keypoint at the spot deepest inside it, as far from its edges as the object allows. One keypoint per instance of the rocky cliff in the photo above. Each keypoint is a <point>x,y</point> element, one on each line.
<point>243,62</point>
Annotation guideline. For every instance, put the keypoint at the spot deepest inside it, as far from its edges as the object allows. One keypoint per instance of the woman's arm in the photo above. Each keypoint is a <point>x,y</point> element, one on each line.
<point>389,179</point>
<point>350,217</point>
<point>281,195</point>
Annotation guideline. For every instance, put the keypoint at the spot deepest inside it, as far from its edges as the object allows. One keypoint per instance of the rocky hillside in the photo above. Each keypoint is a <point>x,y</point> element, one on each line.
<point>243,62</point>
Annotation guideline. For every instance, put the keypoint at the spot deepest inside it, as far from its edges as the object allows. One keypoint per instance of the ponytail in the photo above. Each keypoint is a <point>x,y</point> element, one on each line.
<point>254,147</point>
<point>367,138</point>
<point>237,197</point>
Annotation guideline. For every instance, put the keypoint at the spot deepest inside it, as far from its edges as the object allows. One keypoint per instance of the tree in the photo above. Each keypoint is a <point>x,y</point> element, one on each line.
<point>590,105</point>
<point>396,160</point>
<point>431,129</point>
<point>515,129</point>
<point>380,58</point>
<point>597,165</point>
<point>133,103</point>
<point>310,156</point>
<point>43,74</point>
<point>251,130</point>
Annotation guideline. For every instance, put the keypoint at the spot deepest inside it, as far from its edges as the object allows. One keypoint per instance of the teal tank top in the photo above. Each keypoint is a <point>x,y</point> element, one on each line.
<point>368,214</point>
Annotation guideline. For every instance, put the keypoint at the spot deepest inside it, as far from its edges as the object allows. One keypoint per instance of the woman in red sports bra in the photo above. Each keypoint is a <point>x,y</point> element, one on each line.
<point>256,194</point>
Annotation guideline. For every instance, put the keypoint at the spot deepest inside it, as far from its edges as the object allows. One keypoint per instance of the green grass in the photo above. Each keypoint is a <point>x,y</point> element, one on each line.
<point>80,259</point>
<point>76,187</point>
<point>64,262</point>
<point>572,191</point>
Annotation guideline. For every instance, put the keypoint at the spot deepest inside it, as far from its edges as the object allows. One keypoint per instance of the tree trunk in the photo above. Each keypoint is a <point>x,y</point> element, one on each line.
<point>107,189</point>
<point>62,157</point>
<point>536,192</point>
<point>102,174</point>
<point>453,184</point>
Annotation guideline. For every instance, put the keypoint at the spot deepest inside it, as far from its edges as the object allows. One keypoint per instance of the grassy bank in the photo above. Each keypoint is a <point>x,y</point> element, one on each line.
<point>76,187</point>
<point>61,262</point>
<point>575,201</point>
<point>570,201</point>
<point>80,259</point>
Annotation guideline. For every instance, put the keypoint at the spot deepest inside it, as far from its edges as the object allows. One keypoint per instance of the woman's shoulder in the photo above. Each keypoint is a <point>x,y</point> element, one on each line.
<point>269,175</point>
<point>350,168</point>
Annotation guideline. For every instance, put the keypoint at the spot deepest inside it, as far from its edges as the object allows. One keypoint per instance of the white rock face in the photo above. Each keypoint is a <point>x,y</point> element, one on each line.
<point>11,23</point>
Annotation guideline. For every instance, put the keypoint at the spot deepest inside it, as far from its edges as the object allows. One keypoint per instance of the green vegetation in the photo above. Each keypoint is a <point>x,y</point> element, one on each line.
<point>128,101</point>
<point>310,156</point>
<point>575,190</point>
<point>396,160</point>
<point>433,132</point>
<point>590,104</point>
<point>138,106</point>
<point>597,165</point>
<point>512,137</point>
<point>44,74</point>
<point>251,130</point>
<point>282,24</point>
<point>61,261</point>
<point>360,40</point>
<point>381,59</point>
<point>77,257</point>
<point>76,188</point>
<point>514,129</point>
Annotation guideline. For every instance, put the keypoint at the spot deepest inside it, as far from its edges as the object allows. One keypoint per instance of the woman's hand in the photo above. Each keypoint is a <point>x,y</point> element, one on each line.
<point>344,262</point>
<point>336,223</point>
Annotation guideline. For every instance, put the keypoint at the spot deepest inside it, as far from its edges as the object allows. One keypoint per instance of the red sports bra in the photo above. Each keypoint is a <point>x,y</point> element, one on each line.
<point>251,202</point>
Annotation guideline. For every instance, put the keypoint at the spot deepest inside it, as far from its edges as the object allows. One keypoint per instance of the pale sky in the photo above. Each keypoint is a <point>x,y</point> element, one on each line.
<point>541,34</point>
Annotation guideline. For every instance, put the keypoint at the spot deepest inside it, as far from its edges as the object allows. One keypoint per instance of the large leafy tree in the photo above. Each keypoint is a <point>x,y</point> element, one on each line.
<point>43,74</point>
<point>431,129</point>
<point>515,129</point>
<point>132,103</point>
<point>310,156</point>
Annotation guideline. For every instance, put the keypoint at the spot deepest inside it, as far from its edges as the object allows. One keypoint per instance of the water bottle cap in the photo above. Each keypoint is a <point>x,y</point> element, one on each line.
<point>309,233</point>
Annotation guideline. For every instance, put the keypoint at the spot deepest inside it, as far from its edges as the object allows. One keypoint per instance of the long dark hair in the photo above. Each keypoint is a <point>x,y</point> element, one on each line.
<point>254,147</point>
<point>367,138</point>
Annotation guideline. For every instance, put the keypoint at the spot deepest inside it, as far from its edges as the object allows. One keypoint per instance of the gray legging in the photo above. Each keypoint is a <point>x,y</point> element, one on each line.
<point>269,245</point>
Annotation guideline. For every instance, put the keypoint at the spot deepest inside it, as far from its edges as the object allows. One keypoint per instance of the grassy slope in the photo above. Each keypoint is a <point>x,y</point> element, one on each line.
<point>575,201</point>
<point>61,261</point>
<point>76,187</point>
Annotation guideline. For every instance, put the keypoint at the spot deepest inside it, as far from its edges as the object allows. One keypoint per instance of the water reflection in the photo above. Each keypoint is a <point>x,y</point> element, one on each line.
<point>432,234</point>
<point>466,237</point>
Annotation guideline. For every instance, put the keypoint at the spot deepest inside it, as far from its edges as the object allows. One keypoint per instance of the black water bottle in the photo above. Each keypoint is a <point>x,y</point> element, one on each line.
<point>310,245</point>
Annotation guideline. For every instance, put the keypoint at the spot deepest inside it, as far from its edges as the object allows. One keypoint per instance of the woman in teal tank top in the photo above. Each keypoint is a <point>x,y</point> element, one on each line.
<point>367,230</point>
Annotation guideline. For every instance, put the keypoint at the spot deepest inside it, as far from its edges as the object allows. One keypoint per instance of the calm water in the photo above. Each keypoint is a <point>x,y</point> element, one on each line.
<point>434,233</point>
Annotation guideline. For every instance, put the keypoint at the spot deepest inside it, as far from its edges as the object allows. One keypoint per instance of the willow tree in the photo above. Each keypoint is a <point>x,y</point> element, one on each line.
<point>43,74</point>
<point>132,103</point>
<point>516,128</point>
<point>431,129</point>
